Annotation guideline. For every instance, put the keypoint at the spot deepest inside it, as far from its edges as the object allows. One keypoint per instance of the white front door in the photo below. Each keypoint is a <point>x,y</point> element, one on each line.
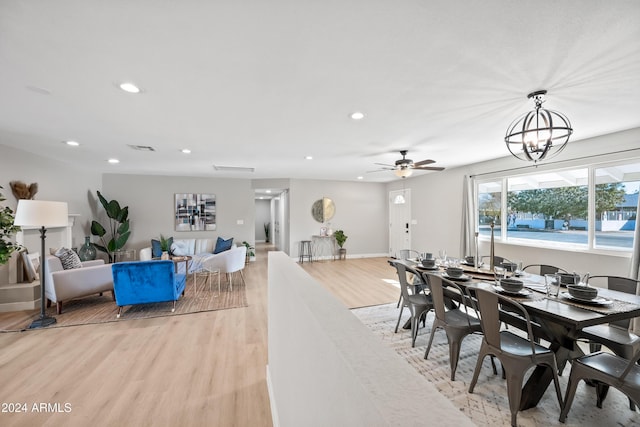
<point>399,221</point>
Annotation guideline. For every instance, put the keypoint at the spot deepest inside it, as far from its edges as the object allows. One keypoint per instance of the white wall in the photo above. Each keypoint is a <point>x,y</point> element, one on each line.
<point>437,206</point>
<point>151,206</point>
<point>361,212</point>
<point>57,181</point>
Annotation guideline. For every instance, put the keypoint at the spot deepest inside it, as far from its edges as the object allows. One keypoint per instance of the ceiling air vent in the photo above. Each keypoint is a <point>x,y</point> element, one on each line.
<point>142,147</point>
<point>233,169</point>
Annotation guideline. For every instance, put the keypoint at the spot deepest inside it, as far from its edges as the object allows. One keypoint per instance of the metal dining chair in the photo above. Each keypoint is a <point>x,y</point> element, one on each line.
<point>516,354</point>
<point>456,322</point>
<point>405,254</point>
<point>497,260</point>
<point>542,269</point>
<point>607,370</point>
<point>616,335</point>
<point>419,304</point>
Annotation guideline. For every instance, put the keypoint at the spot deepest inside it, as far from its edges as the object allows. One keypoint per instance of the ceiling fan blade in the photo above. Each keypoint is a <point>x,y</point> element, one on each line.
<point>429,168</point>
<point>381,170</point>
<point>384,164</point>
<point>424,162</point>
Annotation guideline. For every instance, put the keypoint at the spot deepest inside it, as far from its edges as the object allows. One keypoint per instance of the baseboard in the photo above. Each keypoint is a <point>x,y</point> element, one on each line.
<point>272,401</point>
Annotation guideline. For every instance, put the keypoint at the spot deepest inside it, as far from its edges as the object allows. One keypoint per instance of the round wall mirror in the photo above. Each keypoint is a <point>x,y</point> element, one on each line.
<point>323,210</point>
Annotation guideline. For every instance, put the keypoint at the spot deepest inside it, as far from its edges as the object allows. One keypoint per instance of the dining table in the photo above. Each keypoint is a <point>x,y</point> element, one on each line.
<point>557,320</point>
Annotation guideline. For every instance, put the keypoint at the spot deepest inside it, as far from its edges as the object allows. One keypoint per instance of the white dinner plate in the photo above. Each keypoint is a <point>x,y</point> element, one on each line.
<point>462,278</point>
<point>521,293</point>
<point>595,301</point>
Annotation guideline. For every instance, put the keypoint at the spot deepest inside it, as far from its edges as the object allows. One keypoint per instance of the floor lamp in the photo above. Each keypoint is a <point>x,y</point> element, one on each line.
<point>41,214</point>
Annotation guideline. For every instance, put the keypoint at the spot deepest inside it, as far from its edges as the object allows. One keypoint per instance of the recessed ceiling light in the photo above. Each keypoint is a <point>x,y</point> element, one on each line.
<point>186,151</point>
<point>113,161</point>
<point>268,191</point>
<point>72,143</point>
<point>308,157</point>
<point>129,87</point>
<point>357,115</point>
<point>360,177</point>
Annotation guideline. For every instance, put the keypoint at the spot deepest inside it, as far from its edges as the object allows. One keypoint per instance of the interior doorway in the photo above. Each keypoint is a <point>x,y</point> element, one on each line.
<point>272,218</point>
<point>399,221</point>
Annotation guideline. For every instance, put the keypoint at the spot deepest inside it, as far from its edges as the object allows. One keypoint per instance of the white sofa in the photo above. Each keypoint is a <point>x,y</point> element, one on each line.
<point>62,285</point>
<point>200,251</point>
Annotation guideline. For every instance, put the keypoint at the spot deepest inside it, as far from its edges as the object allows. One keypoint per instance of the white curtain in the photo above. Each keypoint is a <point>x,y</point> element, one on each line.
<point>634,271</point>
<point>469,212</point>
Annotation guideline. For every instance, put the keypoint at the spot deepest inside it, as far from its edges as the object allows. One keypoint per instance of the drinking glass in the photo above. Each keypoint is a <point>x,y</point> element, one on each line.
<point>552,282</point>
<point>499,273</point>
<point>443,256</point>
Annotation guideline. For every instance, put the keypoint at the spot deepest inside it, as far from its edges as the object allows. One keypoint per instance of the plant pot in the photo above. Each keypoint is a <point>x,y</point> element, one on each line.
<point>165,255</point>
<point>342,253</point>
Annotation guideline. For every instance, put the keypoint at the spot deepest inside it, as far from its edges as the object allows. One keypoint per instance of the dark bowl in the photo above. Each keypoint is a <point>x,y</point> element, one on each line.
<point>569,279</point>
<point>454,271</point>
<point>511,285</point>
<point>582,292</point>
<point>429,262</point>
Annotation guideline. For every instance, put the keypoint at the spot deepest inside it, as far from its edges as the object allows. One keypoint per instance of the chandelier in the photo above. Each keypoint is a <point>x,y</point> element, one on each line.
<point>539,134</point>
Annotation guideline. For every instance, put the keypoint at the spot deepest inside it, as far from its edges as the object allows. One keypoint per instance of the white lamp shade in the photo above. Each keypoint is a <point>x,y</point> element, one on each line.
<point>403,172</point>
<point>41,213</point>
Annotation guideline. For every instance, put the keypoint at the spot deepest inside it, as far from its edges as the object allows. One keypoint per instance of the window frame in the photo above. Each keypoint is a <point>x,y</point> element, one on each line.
<point>504,176</point>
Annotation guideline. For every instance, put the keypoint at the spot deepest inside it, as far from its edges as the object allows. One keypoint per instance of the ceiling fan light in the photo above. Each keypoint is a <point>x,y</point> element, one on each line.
<point>403,172</point>
<point>539,134</point>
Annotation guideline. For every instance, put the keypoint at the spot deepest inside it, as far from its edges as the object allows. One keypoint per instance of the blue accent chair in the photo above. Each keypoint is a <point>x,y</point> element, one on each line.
<point>143,282</point>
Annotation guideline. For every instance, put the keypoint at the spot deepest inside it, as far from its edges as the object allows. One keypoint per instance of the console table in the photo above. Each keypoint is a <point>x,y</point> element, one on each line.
<point>323,247</point>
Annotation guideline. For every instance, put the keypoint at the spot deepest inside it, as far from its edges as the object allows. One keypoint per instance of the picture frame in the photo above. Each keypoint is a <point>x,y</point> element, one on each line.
<point>195,212</point>
<point>29,270</point>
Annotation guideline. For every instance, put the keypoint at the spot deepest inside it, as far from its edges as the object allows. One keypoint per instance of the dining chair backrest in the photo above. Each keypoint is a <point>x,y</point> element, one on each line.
<point>497,260</point>
<point>405,254</point>
<point>402,270</point>
<point>542,269</point>
<point>437,285</point>
<point>488,304</point>
<point>620,284</point>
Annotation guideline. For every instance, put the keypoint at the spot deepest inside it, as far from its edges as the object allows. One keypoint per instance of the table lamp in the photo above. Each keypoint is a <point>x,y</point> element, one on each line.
<point>41,214</point>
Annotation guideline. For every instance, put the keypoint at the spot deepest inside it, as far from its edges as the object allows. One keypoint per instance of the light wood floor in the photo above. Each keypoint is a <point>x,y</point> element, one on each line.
<point>203,369</point>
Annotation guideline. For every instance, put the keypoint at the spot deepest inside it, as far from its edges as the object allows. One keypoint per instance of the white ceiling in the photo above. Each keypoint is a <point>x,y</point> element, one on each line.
<point>263,84</point>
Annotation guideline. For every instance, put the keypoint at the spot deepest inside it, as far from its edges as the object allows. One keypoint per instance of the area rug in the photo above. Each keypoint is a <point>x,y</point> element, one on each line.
<point>101,309</point>
<point>488,404</point>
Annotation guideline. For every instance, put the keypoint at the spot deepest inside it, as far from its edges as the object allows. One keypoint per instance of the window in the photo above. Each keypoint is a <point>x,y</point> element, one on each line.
<point>587,207</point>
<point>551,206</point>
<point>616,200</point>
<point>489,207</point>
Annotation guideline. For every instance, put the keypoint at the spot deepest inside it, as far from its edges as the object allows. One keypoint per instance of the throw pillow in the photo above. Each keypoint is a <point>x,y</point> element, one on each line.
<point>68,258</point>
<point>180,248</point>
<point>156,247</point>
<point>223,245</point>
<point>156,251</point>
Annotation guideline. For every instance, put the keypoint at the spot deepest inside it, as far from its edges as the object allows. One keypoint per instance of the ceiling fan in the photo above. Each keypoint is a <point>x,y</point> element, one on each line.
<point>404,167</point>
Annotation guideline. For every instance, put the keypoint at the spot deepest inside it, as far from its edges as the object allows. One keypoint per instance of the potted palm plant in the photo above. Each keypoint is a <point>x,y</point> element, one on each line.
<point>117,230</point>
<point>340,239</point>
<point>251,255</point>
